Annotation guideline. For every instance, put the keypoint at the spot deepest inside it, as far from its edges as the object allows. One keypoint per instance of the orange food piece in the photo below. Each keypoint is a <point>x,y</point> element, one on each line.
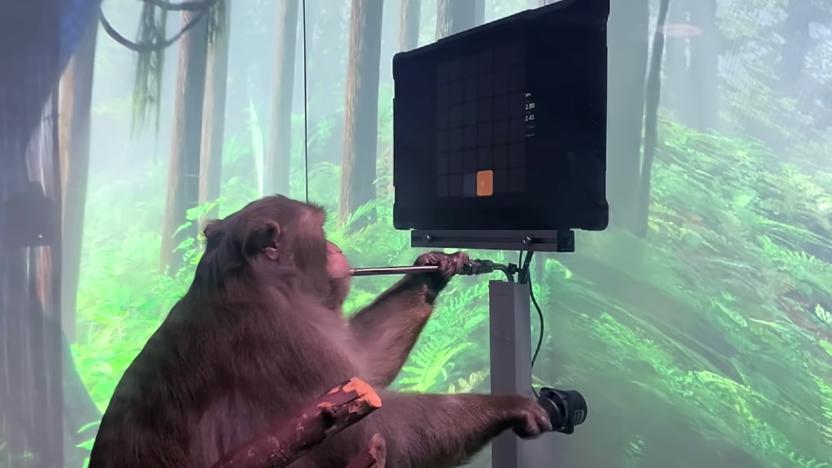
<point>485,183</point>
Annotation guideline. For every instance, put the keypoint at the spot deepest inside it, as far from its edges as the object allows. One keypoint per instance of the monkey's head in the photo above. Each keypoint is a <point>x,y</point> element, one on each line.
<point>280,242</point>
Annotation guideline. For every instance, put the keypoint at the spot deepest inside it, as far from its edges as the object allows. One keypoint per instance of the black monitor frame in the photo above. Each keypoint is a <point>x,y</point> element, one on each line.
<point>552,63</point>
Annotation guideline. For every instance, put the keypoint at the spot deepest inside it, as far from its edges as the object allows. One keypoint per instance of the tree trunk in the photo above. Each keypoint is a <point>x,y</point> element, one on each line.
<point>31,418</point>
<point>654,89</point>
<point>628,35</point>
<point>74,151</point>
<point>31,411</point>
<point>690,64</point>
<point>358,164</point>
<point>183,172</point>
<point>30,339</point>
<point>453,16</point>
<point>797,43</point>
<point>409,24</point>
<point>677,95</point>
<point>704,64</point>
<point>74,134</point>
<point>213,116</point>
<point>277,165</point>
<point>479,12</point>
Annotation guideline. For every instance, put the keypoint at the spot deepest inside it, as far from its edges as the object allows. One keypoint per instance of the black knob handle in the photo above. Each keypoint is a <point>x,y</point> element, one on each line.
<point>478,267</point>
<point>566,408</point>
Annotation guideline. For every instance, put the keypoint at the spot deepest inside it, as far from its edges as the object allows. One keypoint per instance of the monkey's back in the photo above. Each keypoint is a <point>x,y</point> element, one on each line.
<point>196,390</point>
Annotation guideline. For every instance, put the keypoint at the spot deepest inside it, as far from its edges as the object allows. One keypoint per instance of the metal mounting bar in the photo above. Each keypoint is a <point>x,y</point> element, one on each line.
<point>540,241</point>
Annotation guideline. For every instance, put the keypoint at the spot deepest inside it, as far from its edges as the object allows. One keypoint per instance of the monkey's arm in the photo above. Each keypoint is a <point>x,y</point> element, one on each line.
<point>386,330</point>
<point>433,430</point>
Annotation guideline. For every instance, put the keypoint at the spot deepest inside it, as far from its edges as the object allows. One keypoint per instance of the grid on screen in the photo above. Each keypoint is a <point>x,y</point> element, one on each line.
<point>480,123</point>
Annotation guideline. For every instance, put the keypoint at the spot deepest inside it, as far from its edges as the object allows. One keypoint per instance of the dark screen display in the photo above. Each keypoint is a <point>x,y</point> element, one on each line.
<point>481,123</point>
<point>504,126</point>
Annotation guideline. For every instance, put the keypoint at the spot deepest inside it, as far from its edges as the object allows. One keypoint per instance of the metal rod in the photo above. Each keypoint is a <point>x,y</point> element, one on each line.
<point>395,270</point>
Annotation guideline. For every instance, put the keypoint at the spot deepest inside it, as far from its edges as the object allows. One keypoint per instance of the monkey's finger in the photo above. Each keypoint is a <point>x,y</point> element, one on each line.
<point>458,261</point>
<point>430,258</point>
<point>446,266</point>
<point>464,260</point>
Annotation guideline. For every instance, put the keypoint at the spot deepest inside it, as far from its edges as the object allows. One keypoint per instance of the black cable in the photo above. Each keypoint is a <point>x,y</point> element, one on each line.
<point>305,111</point>
<point>526,277</point>
<point>525,266</point>
<point>540,334</point>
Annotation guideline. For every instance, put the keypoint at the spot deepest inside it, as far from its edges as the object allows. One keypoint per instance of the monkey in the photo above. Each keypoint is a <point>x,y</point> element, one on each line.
<point>261,330</point>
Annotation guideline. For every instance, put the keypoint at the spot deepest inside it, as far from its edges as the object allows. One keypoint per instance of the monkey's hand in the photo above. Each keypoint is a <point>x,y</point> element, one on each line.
<point>449,265</point>
<point>530,419</point>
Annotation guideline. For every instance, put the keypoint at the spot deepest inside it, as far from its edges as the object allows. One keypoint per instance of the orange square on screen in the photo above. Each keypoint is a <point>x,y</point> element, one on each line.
<point>485,183</point>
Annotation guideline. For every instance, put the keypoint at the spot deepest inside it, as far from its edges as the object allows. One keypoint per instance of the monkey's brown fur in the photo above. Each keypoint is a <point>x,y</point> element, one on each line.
<point>260,331</point>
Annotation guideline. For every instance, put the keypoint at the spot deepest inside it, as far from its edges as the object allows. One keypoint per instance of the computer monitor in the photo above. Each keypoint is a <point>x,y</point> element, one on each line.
<point>503,127</point>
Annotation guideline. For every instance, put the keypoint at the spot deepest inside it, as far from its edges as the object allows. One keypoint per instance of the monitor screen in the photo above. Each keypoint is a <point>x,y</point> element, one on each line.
<point>503,126</point>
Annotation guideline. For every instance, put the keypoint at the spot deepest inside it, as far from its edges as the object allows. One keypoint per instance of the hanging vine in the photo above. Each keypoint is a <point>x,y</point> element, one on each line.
<point>150,46</point>
<point>182,6</point>
<point>216,21</point>
<point>147,85</point>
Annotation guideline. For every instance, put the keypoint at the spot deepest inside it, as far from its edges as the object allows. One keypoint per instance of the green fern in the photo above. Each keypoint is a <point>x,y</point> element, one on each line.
<point>427,367</point>
<point>825,390</point>
<point>823,315</point>
<point>634,452</point>
<point>469,384</point>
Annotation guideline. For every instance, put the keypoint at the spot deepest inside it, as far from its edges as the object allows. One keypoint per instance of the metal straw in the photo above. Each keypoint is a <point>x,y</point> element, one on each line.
<point>394,270</point>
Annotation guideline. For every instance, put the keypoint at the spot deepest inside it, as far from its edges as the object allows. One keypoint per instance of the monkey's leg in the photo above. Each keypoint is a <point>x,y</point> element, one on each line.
<point>386,330</point>
<point>443,430</point>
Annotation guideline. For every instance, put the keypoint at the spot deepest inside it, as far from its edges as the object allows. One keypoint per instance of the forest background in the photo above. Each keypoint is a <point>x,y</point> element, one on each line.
<point>699,326</point>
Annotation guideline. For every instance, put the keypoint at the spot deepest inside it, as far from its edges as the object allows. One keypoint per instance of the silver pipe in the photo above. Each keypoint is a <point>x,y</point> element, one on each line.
<point>395,270</point>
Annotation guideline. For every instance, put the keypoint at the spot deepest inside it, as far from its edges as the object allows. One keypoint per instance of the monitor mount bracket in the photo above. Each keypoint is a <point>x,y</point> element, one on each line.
<point>533,240</point>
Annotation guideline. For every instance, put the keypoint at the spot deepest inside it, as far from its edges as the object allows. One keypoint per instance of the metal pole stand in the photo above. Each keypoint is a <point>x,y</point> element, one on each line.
<point>511,372</point>
<point>511,341</point>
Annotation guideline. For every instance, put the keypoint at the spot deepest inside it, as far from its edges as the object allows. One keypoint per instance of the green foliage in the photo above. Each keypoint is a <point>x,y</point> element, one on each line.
<point>755,38</point>
<point>257,144</point>
<point>634,452</point>
<point>737,233</point>
<point>122,296</point>
<point>447,351</point>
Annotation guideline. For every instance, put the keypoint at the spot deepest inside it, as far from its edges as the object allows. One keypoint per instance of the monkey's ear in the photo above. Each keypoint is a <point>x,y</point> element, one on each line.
<point>264,238</point>
<point>213,232</point>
